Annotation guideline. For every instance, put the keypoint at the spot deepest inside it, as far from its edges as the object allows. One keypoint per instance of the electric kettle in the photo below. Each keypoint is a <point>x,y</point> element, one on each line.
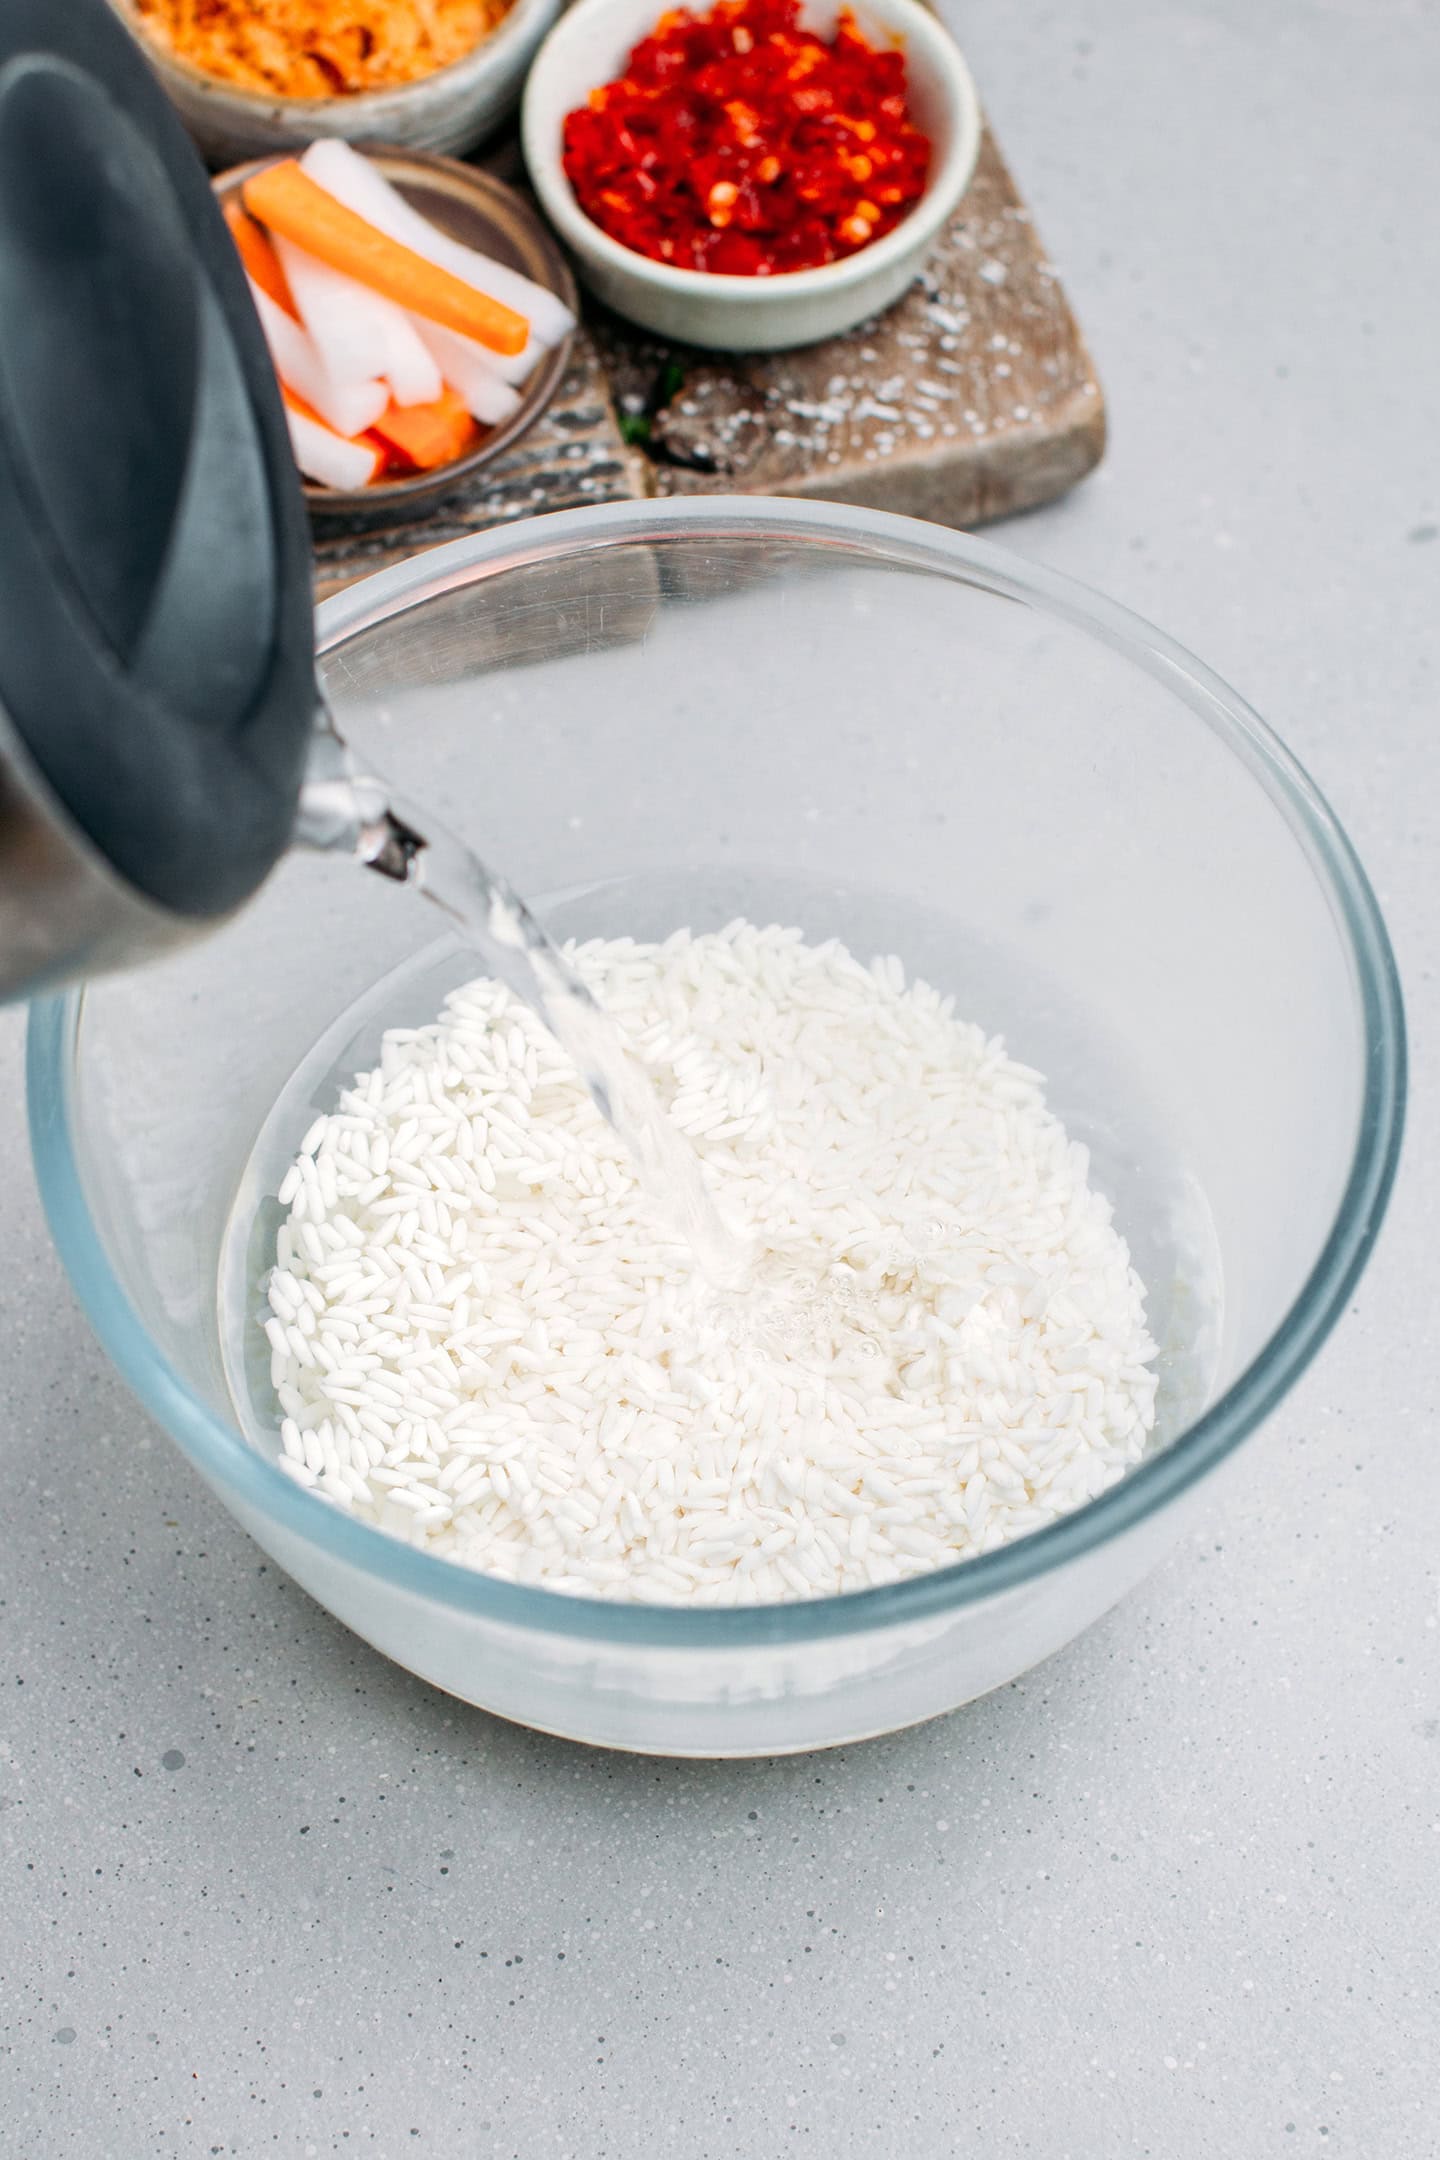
<point>159,708</point>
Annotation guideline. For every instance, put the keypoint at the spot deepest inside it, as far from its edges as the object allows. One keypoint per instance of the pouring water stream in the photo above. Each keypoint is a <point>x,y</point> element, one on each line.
<point>344,810</point>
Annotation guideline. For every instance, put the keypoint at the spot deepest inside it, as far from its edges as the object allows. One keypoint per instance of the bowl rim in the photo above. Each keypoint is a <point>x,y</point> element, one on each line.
<point>376,104</point>
<point>220,1452</point>
<point>919,28</point>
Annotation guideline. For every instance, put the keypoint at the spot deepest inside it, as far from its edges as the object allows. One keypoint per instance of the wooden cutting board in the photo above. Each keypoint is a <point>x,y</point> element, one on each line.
<point>973,397</point>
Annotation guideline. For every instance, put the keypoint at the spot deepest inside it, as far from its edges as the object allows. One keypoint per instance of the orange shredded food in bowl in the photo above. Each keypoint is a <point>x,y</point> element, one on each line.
<point>319,48</point>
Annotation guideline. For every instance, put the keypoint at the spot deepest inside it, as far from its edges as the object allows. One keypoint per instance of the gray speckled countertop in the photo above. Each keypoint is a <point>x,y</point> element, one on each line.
<point>1173,1894</point>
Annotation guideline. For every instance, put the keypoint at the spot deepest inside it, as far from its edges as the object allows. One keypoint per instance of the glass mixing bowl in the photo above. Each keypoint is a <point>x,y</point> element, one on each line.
<point>651,715</point>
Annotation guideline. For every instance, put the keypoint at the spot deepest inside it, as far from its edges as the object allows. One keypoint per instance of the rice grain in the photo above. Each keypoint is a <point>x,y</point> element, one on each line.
<point>485,1338</point>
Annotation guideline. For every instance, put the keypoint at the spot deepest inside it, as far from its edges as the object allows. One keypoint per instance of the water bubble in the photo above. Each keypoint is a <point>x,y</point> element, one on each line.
<point>926,1233</point>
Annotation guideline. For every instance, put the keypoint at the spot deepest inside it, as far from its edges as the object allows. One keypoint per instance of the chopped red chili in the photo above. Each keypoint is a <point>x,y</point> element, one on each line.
<point>738,142</point>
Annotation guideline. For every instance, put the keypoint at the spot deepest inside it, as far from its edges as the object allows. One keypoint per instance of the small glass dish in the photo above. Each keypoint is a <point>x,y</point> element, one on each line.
<point>484,213</point>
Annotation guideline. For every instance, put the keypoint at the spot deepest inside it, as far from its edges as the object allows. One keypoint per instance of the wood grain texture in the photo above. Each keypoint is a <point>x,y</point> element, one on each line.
<point>973,397</point>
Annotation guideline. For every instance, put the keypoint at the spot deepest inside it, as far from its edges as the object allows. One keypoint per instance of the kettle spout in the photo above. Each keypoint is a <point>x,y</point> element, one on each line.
<point>343,810</point>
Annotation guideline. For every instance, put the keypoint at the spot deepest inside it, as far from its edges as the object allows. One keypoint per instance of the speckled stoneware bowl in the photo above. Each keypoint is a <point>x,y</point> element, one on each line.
<point>451,110</point>
<point>485,214</point>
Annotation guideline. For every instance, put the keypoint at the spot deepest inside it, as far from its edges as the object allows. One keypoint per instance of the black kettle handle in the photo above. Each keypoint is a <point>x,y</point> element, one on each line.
<point>156,637</point>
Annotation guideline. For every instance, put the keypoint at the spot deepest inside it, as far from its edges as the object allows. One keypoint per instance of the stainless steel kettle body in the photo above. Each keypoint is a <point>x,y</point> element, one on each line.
<point>157,663</point>
<point>64,912</point>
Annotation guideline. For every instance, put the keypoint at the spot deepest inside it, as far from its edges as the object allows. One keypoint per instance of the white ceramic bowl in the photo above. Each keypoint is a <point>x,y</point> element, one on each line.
<point>591,44</point>
<point>451,110</point>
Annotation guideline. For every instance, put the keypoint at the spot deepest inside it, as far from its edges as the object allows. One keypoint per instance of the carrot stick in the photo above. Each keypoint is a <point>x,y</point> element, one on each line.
<point>358,183</point>
<point>290,203</point>
<point>428,435</point>
<point>390,460</point>
<point>259,257</point>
